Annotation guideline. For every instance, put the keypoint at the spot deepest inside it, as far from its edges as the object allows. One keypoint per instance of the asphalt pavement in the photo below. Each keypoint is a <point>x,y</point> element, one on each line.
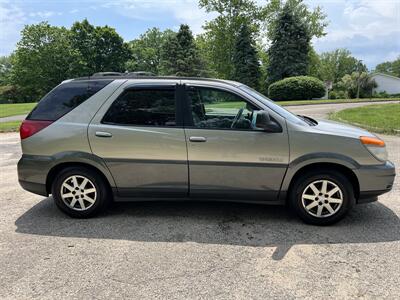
<point>181,250</point>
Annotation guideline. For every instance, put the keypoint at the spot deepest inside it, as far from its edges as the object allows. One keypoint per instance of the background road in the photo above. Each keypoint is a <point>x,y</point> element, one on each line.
<point>194,250</point>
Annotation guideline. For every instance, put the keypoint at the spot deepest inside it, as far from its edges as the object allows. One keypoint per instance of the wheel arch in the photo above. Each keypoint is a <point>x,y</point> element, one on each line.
<point>345,170</point>
<point>86,160</point>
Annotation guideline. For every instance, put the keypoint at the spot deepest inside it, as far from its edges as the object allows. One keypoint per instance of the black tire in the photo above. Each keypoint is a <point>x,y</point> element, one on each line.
<point>102,195</point>
<point>300,185</point>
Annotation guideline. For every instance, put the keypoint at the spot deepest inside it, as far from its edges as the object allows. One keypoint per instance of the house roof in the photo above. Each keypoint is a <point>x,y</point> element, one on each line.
<point>386,75</point>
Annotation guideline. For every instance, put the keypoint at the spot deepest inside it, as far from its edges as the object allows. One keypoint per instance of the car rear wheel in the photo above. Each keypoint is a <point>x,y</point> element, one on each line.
<point>80,192</point>
<point>322,198</point>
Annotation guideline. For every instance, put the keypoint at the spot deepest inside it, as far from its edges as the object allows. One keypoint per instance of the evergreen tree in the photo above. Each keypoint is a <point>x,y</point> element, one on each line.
<point>180,56</point>
<point>169,52</point>
<point>245,60</point>
<point>288,54</point>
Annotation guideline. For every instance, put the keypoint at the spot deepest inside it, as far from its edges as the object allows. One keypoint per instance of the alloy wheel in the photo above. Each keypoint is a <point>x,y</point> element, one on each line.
<point>78,192</point>
<point>322,198</point>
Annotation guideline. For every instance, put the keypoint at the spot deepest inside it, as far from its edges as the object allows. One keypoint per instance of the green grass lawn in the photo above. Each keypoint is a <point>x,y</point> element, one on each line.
<point>7,110</point>
<point>9,126</point>
<point>301,102</point>
<point>381,118</point>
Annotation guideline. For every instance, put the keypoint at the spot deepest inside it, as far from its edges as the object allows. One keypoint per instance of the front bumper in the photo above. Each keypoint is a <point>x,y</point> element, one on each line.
<point>374,181</point>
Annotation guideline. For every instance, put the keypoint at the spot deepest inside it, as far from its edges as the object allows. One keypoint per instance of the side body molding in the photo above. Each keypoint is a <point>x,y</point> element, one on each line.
<point>38,167</point>
<point>87,158</point>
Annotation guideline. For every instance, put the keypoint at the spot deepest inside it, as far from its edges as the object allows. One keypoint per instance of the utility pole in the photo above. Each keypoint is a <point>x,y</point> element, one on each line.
<point>358,78</point>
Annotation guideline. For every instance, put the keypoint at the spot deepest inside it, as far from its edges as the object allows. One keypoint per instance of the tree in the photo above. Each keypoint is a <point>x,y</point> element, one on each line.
<point>101,48</point>
<point>44,57</point>
<point>389,67</point>
<point>245,61</point>
<point>337,63</point>
<point>288,54</point>
<point>146,50</point>
<point>180,55</point>
<point>314,20</point>
<point>314,67</point>
<point>358,83</point>
<point>5,69</point>
<point>221,33</point>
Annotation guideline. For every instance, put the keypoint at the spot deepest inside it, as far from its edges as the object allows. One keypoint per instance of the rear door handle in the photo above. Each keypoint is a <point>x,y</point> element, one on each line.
<point>198,139</point>
<point>103,134</point>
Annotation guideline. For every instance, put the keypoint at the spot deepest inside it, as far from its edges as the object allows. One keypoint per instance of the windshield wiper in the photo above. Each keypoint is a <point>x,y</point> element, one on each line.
<point>308,120</point>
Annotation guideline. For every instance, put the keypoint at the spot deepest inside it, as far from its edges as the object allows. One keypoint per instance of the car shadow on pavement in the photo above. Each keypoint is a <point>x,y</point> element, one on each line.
<point>213,223</point>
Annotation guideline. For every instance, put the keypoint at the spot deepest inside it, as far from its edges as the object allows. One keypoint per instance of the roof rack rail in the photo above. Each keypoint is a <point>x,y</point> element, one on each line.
<point>149,75</point>
<point>127,74</point>
<point>100,74</point>
<point>141,73</point>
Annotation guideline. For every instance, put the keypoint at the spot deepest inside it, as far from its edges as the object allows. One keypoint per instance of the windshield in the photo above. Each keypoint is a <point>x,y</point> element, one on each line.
<point>271,104</point>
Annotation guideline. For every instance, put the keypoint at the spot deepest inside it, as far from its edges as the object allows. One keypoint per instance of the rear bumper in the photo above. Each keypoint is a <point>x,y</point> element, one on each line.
<point>33,187</point>
<point>32,173</point>
<point>375,181</point>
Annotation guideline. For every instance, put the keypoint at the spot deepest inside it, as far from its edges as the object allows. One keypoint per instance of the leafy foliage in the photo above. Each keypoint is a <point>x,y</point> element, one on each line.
<point>314,67</point>
<point>362,81</point>
<point>146,50</point>
<point>180,56</point>
<point>5,69</point>
<point>297,88</point>
<point>314,20</point>
<point>221,33</point>
<point>337,63</point>
<point>44,57</point>
<point>390,67</point>
<point>288,54</point>
<point>245,61</point>
<point>101,48</point>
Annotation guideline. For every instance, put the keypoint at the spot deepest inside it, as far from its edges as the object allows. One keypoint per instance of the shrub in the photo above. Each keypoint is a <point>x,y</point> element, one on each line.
<point>12,94</point>
<point>337,94</point>
<point>380,95</point>
<point>297,88</point>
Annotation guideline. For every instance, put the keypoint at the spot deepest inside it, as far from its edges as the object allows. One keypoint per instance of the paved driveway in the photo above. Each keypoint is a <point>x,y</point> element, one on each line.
<point>321,111</point>
<point>193,250</point>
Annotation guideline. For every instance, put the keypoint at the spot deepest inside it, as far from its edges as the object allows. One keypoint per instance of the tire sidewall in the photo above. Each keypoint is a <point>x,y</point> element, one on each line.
<point>98,182</point>
<point>341,181</point>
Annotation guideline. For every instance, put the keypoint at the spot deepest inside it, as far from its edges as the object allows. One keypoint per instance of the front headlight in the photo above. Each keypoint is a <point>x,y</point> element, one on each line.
<point>376,146</point>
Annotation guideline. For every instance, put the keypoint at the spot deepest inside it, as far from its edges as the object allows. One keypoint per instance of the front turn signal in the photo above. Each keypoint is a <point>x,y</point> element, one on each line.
<point>371,141</point>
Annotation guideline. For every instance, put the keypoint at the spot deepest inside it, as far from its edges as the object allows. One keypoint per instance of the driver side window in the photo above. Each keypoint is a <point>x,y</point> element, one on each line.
<point>218,109</point>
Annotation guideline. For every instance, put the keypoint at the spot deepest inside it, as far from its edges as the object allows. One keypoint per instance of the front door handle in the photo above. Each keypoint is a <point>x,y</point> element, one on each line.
<point>103,134</point>
<point>198,139</point>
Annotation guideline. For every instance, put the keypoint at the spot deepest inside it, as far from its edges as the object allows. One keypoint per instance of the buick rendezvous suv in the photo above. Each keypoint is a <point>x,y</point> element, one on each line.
<point>99,139</point>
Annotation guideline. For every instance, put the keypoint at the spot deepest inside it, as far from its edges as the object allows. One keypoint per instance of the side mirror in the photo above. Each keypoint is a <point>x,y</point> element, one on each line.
<point>263,121</point>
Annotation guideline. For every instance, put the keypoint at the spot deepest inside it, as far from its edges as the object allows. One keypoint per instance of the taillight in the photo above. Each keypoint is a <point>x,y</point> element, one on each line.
<point>30,127</point>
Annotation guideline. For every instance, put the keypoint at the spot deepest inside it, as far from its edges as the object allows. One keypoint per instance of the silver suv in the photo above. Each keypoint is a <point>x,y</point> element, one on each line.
<point>94,140</point>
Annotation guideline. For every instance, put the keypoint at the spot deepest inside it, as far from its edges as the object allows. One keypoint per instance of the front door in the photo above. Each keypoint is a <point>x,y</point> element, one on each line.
<point>140,138</point>
<point>228,156</point>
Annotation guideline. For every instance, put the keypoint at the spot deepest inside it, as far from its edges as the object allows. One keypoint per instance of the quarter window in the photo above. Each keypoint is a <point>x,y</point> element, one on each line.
<point>146,107</point>
<point>65,98</point>
<point>218,109</point>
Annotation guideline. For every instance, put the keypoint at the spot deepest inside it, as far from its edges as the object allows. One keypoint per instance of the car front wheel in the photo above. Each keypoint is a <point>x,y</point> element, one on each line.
<point>322,198</point>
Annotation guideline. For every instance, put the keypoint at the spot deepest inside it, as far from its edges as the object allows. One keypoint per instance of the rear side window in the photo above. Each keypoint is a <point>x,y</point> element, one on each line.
<point>65,98</point>
<point>143,107</point>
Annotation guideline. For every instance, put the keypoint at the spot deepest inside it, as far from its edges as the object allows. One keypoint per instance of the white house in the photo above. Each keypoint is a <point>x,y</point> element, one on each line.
<point>386,83</point>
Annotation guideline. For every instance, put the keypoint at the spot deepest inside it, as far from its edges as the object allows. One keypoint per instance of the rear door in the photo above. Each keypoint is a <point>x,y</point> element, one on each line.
<point>140,136</point>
